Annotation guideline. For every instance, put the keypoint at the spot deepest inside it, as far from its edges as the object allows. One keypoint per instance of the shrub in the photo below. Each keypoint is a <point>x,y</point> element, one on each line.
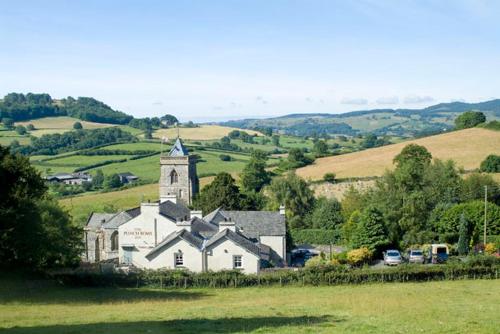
<point>360,256</point>
<point>21,130</point>
<point>491,164</point>
<point>314,262</point>
<point>482,261</point>
<point>77,126</point>
<point>340,257</point>
<point>329,177</point>
<point>225,157</point>
<point>490,248</point>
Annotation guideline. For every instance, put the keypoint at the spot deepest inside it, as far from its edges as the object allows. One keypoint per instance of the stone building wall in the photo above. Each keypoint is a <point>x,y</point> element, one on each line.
<point>187,181</point>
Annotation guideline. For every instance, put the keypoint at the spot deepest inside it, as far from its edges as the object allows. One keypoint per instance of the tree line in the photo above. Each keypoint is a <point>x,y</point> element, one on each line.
<point>50,144</point>
<point>421,201</point>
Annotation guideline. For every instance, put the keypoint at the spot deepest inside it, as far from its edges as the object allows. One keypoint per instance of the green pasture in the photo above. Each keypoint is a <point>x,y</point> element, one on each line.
<point>36,306</point>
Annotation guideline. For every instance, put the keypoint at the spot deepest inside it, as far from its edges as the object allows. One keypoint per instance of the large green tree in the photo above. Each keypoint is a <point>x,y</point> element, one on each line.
<point>222,192</point>
<point>327,214</point>
<point>469,119</point>
<point>295,194</point>
<point>370,232</point>
<point>491,164</point>
<point>34,230</point>
<point>254,175</point>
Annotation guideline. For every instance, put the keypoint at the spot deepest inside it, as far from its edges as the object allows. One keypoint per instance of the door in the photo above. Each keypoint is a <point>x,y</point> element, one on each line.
<point>127,256</point>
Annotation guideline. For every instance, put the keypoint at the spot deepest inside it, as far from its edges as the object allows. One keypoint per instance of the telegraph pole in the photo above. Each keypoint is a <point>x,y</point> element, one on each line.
<point>485,208</point>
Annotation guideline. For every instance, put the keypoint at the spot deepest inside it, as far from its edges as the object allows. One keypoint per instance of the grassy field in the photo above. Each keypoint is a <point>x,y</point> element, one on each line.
<point>50,125</point>
<point>203,132</point>
<point>436,307</point>
<point>466,147</point>
<point>80,207</point>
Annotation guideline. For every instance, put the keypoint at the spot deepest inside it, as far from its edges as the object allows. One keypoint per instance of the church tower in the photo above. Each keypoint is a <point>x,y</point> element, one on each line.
<point>178,174</point>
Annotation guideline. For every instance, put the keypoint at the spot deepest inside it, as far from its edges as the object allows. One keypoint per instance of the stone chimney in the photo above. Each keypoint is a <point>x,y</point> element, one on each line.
<point>282,210</point>
<point>171,198</point>
<point>227,223</point>
<point>197,214</point>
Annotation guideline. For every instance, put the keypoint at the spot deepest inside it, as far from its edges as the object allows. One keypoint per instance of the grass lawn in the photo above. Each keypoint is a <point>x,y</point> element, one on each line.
<point>436,307</point>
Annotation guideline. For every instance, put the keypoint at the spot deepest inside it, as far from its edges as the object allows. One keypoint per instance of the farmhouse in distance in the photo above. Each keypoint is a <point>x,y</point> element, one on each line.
<point>167,234</point>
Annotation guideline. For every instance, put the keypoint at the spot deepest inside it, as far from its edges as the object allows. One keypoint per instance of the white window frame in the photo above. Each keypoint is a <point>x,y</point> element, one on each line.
<point>178,255</point>
<point>235,261</point>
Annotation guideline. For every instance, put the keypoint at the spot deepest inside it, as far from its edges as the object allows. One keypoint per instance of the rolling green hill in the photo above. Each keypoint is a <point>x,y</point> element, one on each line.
<point>395,122</point>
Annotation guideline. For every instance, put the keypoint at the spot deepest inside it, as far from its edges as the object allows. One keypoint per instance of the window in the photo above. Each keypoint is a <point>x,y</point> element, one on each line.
<point>114,241</point>
<point>179,259</point>
<point>174,178</point>
<point>237,263</point>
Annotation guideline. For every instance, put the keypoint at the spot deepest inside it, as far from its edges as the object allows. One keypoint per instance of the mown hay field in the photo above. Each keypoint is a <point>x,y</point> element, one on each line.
<point>203,132</point>
<point>51,125</point>
<point>467,306</point>
<point>466,147</point>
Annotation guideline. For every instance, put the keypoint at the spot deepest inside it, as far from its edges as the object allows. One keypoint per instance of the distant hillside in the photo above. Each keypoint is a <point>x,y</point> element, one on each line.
<point>21,107</point>
<point>396,122</point>
<point>466,147</point>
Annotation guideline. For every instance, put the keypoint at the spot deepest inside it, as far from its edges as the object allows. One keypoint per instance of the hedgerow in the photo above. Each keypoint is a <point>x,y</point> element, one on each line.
<point>327,274</point>
<point>314,236</point>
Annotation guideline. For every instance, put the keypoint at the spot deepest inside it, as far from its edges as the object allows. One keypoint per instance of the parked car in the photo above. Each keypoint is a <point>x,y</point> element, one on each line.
<point>438,253</point>
<point>392,257</point>
<point>416,256</point>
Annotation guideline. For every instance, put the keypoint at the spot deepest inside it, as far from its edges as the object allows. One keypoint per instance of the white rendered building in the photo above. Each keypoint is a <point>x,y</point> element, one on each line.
<point>166,234</point>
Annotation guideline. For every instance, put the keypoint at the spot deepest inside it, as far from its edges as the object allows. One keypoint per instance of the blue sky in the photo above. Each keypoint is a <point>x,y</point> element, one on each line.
<point>215,60</point>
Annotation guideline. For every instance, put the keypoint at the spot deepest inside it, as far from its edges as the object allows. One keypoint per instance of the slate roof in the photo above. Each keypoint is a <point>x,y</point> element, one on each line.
<point>174,211</point>
<point>183,234</point>
<point>96,220</point>
<point>178,150</point>
<point>134,212</point>
<point>236,238</point>
<point>252,223</point>
<point>117,220</point>
<point>202,228</point>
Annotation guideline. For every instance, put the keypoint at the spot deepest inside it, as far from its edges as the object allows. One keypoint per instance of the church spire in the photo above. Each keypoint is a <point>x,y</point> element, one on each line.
<point>178,150</point>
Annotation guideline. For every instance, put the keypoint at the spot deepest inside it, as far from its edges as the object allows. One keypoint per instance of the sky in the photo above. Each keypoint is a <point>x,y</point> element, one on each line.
<point>219,60</point>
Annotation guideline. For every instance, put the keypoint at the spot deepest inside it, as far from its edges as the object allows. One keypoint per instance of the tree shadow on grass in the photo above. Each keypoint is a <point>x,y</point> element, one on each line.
<point>65,295</point>
<point>199,325</point>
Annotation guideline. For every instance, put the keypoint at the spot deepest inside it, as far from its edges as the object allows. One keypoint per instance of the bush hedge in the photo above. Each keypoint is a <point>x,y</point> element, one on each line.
<point>319,275</point>
<point>314,236</point>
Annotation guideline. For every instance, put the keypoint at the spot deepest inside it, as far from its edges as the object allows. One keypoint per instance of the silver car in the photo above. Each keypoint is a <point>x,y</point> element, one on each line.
<point>416,256</point>
<point>392,257</point>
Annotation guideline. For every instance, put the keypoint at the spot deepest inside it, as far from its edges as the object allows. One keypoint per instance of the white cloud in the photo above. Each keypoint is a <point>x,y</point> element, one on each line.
<point>157,103</point>
<point>388,100</point>
<point>356,101</point>
<point>416,99</point>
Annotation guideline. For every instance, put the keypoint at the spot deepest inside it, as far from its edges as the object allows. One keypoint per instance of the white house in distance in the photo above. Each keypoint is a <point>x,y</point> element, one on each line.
<point>166,234</point>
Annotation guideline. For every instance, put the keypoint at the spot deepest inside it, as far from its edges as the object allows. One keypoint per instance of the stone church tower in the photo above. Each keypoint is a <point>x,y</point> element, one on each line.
<point>178,174</point>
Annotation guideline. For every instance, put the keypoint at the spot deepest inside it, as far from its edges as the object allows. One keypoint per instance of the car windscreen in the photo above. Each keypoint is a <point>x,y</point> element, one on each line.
<point>392,254</point>
<point>416,253</point>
